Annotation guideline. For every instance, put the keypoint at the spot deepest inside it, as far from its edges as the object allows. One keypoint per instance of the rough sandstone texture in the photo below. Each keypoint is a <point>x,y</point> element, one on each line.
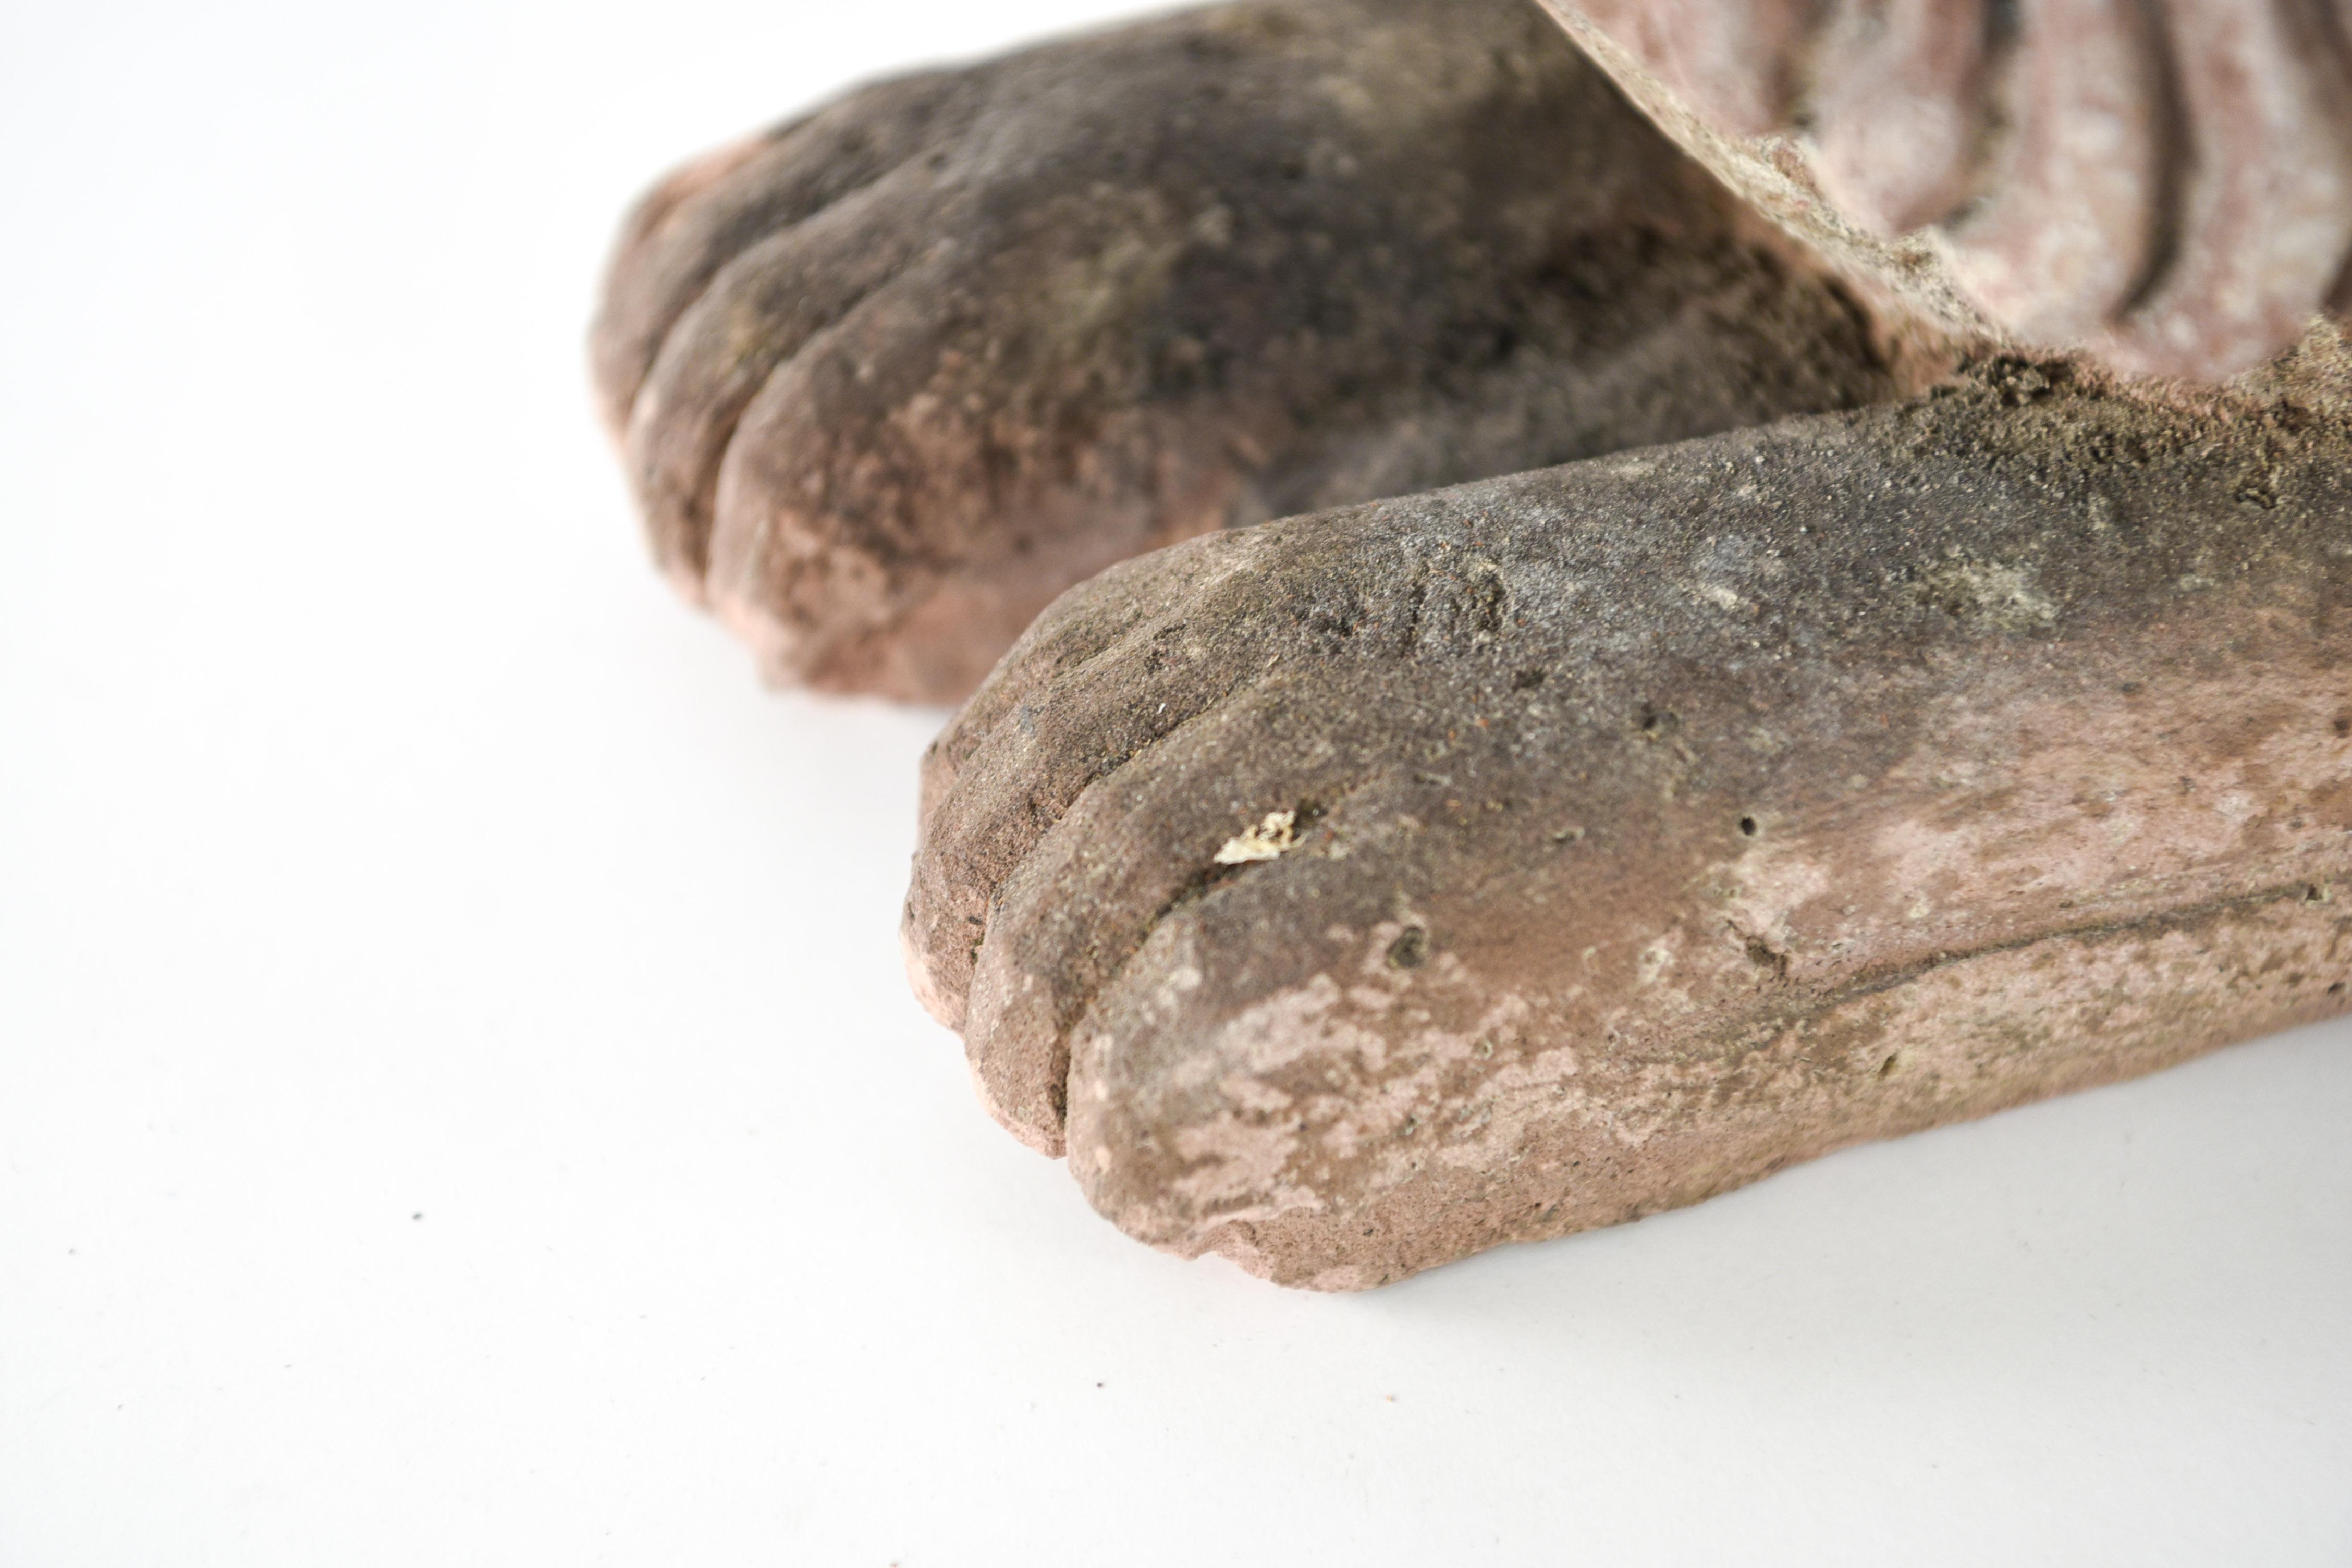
<point>2163,183</point>
<point>1357,891</point>
<point>891,376</point>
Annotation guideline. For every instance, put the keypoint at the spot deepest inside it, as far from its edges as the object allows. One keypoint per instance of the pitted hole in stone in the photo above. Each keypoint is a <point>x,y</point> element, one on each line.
<point>1748,826</point>
<point>1411,948</point>
<point>2336,989</point>
<point>1528,679</point>
<point>2317,894</point>
<point>1764,955</point>
<point>1887,1068</point>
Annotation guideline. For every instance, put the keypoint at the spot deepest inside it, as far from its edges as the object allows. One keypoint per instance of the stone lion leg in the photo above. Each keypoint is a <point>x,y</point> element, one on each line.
<point>1357,891</point>
<point>890,377</point>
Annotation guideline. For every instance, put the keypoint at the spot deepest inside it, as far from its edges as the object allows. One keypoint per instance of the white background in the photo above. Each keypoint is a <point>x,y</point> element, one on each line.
<point>458,1102</point>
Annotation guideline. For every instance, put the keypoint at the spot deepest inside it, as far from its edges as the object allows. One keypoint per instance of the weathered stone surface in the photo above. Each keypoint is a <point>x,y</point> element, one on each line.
<point>2167,185</point>
<point>893,375</point>
<point>1659,820</point>
<point>1354,891</point>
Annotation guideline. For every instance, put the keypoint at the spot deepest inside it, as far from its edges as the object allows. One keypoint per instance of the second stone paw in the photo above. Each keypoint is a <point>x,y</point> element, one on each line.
<point>891,377</point>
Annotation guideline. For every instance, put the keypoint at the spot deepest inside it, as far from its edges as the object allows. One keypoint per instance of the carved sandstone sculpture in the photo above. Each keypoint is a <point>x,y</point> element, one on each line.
<point>1924,688</point>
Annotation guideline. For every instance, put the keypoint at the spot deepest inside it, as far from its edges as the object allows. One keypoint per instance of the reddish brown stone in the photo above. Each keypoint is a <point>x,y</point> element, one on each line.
<point>1351,892</point>
<point>2165,186</point>
<point>892,376</point>
<point>1659,820</point>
